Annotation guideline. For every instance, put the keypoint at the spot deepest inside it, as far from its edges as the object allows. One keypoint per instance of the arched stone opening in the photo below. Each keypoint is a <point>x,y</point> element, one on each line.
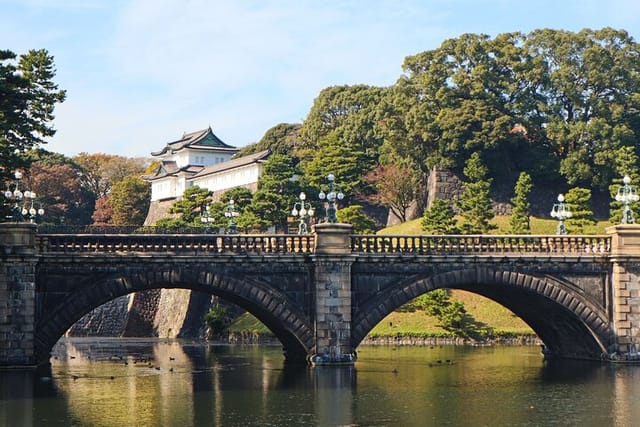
<point>570,325</point>
<point>289,324</point>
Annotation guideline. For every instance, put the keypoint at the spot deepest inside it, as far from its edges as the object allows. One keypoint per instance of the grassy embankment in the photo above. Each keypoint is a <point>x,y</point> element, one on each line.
<point>420,325</point>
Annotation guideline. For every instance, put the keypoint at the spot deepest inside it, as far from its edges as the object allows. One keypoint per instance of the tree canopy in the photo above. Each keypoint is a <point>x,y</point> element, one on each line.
<point>28,97</point>
<point>551,103</point>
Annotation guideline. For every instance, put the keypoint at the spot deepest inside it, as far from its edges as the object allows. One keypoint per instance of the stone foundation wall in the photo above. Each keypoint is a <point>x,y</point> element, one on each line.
<point>108,320</point>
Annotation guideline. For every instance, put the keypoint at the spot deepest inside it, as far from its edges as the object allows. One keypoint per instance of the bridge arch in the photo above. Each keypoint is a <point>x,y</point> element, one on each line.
<point>273,308</point>
<point>569,324</point>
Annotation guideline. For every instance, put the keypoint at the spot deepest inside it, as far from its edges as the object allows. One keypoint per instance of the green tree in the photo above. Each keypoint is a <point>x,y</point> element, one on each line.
<point>475,202</point>
<point>450,313</point>
<point>579,201</point>
<point>626,164</point>
<point>354,215</point>
<point>190,205</point>
<point>129,200</point>
<point>591,90</point>
<point>277,191</point>
<point>283,138</point>
<point>519,221</point>
<point>338,158</point>
<point>548,102</point>
<point>349,113</point>
<point>440,219</point>
<point>28,97</point>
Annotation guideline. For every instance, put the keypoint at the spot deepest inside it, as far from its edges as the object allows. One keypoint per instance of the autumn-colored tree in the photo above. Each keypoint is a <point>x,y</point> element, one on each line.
<point>395,187</point>
<point>60,192</point>
<point>102,213</point>
<point>101,171</point>
<point>129,199</point>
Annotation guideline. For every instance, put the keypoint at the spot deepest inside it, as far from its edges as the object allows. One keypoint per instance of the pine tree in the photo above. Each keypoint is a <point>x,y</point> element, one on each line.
<point>579,201</point>
<point>440,219</point>
<point>519,222</point>
<point>475,203</point>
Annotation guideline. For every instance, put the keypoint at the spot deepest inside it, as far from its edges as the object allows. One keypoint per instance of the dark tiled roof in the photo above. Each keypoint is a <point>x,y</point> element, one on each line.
<point>234,163</point>
<point>169,168</point>
<point>203,139</point>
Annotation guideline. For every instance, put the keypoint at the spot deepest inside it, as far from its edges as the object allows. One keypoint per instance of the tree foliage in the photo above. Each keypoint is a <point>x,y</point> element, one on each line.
<point>129,200</point>
<point>28,97</point>
<point>355,215</point>
<point>519,221</point>
<point>283,138</point>
<point>60,193</point>
<point>277,192</point>
<point>549,103</point>
<point>450,313</point>
<point>475,202</point>
<point>101,171</point>
<point>579,201</point>
<point>395,186</point>
<point>440,219</point>
<point>626,164</point>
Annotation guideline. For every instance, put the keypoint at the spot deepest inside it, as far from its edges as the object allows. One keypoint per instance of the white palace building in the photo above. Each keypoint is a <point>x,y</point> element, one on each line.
<point>200,158</point>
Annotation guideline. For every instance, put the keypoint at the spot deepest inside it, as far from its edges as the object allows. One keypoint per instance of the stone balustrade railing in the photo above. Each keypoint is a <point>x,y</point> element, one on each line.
<point>481,244</point>
<point>175,243</point>
<point>293,243</point>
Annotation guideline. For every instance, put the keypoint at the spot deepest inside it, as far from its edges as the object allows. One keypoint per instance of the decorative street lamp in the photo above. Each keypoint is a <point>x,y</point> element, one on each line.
<point>205,217</point>
<point>24,201</point>
<point>331,198</point>
<point>231,213</point>
<point>304,211</point>
<point>627,194</point>
<point>561,211</point>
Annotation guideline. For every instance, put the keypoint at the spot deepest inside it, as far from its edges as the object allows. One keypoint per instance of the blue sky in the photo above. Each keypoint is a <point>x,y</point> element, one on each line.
<point>139,73</point>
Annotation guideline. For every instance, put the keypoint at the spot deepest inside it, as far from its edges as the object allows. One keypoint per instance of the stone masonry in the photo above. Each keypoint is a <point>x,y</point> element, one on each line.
<point>17,294</point>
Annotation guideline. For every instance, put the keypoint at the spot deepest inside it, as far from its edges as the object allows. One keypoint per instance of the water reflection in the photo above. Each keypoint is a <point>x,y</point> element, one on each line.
<point>142,382</point>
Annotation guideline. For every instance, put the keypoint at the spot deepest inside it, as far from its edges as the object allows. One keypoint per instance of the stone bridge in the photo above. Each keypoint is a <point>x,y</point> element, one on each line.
<point>322,293</point>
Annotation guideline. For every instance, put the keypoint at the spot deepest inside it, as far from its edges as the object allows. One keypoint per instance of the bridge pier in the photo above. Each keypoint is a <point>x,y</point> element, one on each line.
<point>625,289</point>
<point>332,265</point>
<point>17,294</point>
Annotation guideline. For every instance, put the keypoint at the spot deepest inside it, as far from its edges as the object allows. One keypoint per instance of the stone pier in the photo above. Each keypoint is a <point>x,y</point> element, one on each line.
<point>625,289</point>
<point>333,295</point>
<point>17,293</point>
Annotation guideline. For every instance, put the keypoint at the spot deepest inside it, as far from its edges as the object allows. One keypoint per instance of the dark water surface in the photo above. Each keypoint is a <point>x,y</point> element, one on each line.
<point>118,382</point>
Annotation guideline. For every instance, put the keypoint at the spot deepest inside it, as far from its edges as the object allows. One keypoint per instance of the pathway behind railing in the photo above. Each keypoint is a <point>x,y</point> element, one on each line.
<point>175,243</point>
<point>481,244</point>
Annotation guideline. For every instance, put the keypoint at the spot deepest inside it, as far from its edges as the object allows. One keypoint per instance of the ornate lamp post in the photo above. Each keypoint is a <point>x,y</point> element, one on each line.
<point>205,217</point>
<point>231,213</point>
<point>25,203</point>
<point>304,211</point>
<point>331,197</point>
<point>561,211</point>
<point>627,194</point>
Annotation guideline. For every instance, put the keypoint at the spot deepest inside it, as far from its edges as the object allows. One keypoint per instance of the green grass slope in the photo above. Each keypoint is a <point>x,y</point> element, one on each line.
<point>418,324</point>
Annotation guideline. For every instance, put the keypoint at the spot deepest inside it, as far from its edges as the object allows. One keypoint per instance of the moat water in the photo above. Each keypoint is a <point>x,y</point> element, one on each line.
<point>124,382</point>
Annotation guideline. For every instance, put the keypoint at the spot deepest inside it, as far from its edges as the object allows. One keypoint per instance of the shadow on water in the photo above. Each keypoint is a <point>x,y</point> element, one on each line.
<point>572,371</point>
<point>164,382</point>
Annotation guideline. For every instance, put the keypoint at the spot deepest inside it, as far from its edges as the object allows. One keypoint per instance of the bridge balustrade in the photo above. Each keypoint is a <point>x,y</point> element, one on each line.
<point>481,244</point>
<point>178,243</point>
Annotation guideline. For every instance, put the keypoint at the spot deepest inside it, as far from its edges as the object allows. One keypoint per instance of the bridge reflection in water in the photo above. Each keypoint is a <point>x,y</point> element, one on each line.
<point>322,293</point>
<point>197,385</point>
